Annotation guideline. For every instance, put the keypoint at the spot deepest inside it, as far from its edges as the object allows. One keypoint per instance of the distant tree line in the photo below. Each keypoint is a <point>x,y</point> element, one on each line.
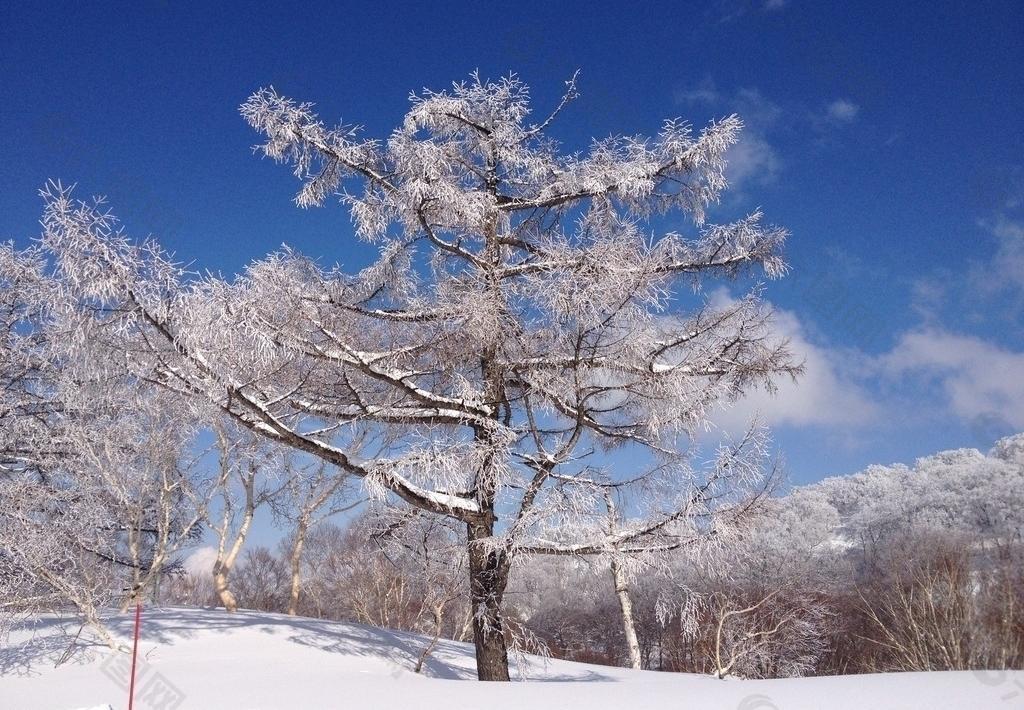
<point>895,568</point>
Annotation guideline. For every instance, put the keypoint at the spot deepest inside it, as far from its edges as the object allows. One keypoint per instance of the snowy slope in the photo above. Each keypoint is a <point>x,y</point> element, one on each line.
<point>210,660</point>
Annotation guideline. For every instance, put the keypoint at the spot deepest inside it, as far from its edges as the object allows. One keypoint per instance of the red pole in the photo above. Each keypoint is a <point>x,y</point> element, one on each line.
<point>135,650</point>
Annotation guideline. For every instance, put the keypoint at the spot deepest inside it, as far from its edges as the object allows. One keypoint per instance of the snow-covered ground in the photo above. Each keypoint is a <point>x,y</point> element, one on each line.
<point>210,660</point>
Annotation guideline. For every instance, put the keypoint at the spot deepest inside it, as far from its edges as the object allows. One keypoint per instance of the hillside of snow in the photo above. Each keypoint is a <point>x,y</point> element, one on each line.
<point>206,659</point>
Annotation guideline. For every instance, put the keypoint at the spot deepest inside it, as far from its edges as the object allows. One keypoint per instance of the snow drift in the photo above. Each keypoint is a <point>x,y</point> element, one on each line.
<point>194,658</point>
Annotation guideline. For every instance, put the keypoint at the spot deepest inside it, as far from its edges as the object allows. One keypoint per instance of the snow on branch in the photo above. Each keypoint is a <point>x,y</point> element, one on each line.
<point>522,316</point>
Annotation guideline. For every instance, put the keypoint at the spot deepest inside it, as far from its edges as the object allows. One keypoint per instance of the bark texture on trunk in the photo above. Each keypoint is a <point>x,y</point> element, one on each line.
<point>628,622</point>
<point>296,567</point>
<point>220,586</point>
<point>226,559</point>
<point>488,576</point>
<point>489,569</point>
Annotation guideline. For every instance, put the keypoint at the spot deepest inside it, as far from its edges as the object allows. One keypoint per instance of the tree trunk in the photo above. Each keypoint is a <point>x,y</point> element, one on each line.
<point>133,551</point>
<point>128,601</point>
<point>628,623</point>
<point>488,576</point>
<point>438,613</point>
<point>296,565</point>
<point>226,562</point>
<point>220,585</point>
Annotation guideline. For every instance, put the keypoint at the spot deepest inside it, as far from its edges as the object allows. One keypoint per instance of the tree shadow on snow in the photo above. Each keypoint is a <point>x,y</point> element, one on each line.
<point>47,641</point>
<point>450,660</point>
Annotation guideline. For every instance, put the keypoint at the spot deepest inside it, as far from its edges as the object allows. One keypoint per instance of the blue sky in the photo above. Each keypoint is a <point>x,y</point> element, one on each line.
<point>887,139</point>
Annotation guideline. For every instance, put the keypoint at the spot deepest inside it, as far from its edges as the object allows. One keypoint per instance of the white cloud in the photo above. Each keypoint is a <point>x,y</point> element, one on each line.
<point>753,159</point>
<point>983,286</point>
<point>732,10</point>
<point>826,394</point>
<point>705,93</point>
<point>976,378</point>
<point>201,561</point>
<point>842,111</point>
<point>756,109</point>
<point>929,295</point>
<point>1006,269</point>
<point>930,375</point>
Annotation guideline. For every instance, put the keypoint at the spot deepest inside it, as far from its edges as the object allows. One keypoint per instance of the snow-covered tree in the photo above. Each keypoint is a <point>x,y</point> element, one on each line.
<point>29,405</point>
<point>770,600</point>
<point>248,478</point>
<point>960,491</point>
<point>46,517</point>
<point>929,577</point>
<point>741,483</point>
<point>137,465</point>
<point>310,495</point>
<point>96,493</point>
<point>525,311</point>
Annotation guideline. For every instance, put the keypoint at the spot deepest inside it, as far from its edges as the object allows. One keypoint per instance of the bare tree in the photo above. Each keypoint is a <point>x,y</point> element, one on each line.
<point>735,491</point>
<point>542,320</point>
<point>939,612</point>
<point>741,637</point>
<point>241,490</point>
<point>432,554</point>
<point>310,495</point>
<point>157,500</point>
<point>261,580</point>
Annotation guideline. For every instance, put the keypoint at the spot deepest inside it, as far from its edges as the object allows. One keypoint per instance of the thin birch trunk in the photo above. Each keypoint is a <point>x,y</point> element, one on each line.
<point>226,562</point>
<point>628,621</point>
<point>296,566</point>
